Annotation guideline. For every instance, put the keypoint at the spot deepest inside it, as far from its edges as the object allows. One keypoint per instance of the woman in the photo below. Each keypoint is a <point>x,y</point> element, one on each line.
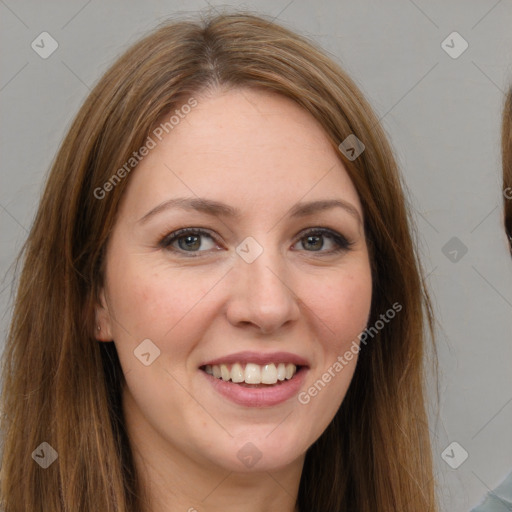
<point>501,497</point>
<point>506,152</point>
<point>220,307</point>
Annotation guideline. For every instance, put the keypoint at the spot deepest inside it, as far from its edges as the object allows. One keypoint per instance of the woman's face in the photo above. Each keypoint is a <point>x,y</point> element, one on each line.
<point>265,280</point>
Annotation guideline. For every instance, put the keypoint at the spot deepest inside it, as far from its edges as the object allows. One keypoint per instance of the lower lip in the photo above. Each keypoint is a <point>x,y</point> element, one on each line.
<point>258,397</point>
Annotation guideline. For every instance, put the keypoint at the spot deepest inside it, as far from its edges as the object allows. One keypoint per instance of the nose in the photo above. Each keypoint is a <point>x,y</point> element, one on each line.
<point>262,293</point>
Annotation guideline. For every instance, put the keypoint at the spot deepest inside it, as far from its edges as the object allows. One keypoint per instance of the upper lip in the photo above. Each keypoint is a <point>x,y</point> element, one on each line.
<point>259,358</point>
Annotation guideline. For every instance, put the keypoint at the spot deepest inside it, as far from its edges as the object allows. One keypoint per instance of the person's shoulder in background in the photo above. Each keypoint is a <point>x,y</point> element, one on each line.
<point>499,500</point>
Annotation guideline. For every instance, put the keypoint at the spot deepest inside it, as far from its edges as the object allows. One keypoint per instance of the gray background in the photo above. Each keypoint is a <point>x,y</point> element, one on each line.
<point>443,117</point>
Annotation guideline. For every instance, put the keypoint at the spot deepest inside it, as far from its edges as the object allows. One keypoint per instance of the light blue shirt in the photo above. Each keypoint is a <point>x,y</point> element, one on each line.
<point>499,500</point>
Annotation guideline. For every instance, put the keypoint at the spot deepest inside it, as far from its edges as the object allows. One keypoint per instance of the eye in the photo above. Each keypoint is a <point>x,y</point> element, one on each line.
<point>191,240</point>
<point>188,240</point>
<point>313,241</point>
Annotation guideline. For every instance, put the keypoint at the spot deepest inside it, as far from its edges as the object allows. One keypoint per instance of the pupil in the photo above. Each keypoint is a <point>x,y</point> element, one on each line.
<point>192,245</point>
<point>309,238</point>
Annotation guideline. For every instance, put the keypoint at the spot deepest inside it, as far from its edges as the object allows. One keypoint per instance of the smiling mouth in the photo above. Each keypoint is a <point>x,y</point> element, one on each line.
<point>253,375</point>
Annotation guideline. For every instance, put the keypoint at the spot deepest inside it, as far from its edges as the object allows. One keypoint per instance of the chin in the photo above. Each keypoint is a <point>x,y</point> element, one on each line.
<point>269,451</point>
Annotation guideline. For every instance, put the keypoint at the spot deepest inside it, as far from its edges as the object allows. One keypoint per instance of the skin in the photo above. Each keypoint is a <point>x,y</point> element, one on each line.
<point>260,153</point>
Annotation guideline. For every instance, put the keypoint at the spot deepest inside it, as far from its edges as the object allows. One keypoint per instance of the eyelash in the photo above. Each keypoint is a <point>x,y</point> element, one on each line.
<point>343,245</point>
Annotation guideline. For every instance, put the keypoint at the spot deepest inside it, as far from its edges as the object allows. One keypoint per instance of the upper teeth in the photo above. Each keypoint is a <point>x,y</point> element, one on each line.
<point>252,373</point>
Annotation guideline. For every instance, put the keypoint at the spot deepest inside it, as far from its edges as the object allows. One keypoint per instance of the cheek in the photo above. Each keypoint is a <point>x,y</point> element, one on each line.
<point>168,307</point>
<point>165,305</point>
<point>343,306</point>
<point>340,309</point>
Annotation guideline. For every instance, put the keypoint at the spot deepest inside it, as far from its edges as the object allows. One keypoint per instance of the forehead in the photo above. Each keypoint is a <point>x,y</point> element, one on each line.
<point>243,147</point>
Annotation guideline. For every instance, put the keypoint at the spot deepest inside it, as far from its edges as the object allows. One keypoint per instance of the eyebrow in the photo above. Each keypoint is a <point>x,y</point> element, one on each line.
<point>218,209</point>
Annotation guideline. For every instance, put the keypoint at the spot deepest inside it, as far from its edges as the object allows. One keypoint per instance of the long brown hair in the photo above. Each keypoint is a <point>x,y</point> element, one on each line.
<point>62,387</point>
<point>506,155</point>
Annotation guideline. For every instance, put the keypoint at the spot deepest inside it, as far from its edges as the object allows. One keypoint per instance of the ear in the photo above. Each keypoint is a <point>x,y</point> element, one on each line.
<point>103,327</point>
